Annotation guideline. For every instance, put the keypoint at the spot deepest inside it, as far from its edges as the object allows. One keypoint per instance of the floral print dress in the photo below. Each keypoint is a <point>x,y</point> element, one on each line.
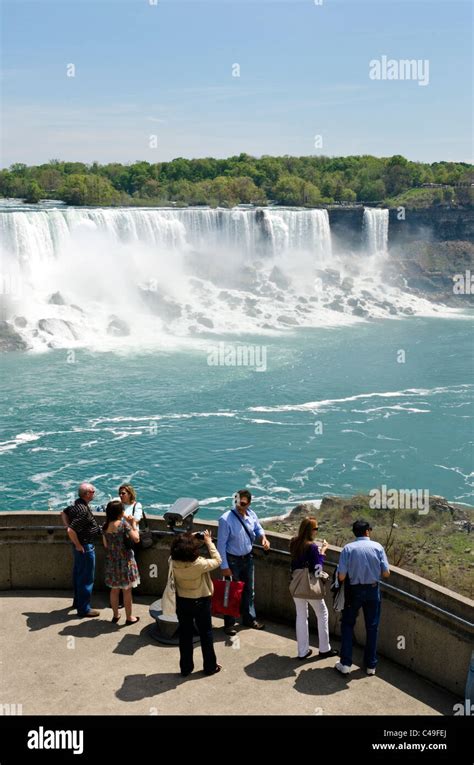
<point>120,565</point>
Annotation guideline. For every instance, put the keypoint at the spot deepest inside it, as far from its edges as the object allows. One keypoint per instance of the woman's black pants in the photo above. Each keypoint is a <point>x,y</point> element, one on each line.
<point>190,612</point>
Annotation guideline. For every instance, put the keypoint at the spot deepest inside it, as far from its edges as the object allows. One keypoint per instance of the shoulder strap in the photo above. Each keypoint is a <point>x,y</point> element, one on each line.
<point>143,522</point>
<point>243,524</point>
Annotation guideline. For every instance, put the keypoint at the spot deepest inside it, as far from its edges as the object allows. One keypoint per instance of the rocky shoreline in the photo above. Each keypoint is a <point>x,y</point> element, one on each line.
<point>346,509</point>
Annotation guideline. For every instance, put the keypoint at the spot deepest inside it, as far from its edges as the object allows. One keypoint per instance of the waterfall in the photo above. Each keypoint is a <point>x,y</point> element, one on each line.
<point>133,277</point>
<point>42,234</point>
<point>376,230</point>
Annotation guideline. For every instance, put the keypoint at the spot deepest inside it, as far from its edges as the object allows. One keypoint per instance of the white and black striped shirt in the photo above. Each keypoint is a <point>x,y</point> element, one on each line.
<point>81,520</point>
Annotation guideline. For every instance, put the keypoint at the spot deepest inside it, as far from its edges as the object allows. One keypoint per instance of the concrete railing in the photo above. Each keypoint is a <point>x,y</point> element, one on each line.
<point>424,627</point>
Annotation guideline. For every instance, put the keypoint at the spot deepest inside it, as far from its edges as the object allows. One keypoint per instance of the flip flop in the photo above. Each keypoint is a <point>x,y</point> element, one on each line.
<point>134,621</point>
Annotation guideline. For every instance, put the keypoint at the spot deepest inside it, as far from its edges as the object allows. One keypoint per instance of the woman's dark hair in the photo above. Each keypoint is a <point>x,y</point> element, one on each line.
<point>299,543</point>
<point>185,547</point>
<point>113,512</point>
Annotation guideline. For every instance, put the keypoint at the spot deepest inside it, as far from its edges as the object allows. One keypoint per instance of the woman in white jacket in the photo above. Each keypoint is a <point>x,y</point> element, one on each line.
<point>194,590</point>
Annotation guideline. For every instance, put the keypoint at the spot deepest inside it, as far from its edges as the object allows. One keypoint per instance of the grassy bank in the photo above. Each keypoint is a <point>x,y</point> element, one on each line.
<point>436,546</point>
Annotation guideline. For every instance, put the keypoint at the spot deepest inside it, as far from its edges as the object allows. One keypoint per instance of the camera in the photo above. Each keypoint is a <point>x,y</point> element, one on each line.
<point>199,535</point>
<point>180,517</point>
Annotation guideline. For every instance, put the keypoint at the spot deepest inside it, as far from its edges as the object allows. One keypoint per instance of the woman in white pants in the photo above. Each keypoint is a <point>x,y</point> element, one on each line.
<point>305,553</point>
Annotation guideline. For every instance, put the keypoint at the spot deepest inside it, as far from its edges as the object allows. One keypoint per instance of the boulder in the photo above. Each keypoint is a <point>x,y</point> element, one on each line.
<point>328,276</point>
<point>161,305</point>
<point>347,284</point>
<point>56,299</point>
<point>201,319</point>
<point>58,327</point>
<point>278,277</point>
<point>20,321</point>
<point>302,511</point>
<point>118,327</point>
<point>10,339</point>
<point>288,320</point>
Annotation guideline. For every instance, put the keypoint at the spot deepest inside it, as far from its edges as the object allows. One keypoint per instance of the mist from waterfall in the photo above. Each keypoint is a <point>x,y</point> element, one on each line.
<point>128,277</point>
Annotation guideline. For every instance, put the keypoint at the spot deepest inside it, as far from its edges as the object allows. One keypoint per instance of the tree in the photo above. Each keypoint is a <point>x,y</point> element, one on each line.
<point>372,191</point>
<point>245,191</point>
<point>138,174</point>
<point>397,175</point>
<point>289,190</point>
<point>88,190</point>
<point>34,193</point>
<point>151,189</point>
<point>348,195</point>
<point>49,178</point>
<point>6,183</point>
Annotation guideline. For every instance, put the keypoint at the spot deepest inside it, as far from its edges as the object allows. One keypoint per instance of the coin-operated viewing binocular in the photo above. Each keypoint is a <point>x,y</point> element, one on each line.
<point>180,516</point>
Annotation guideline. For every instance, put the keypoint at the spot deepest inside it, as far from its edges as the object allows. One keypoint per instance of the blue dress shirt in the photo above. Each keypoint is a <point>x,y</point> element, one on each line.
<point>232,537</point>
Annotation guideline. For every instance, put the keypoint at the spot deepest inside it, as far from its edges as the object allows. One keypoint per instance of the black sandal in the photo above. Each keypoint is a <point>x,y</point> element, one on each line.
<point>217,669</point>
<point>115,619</point>
<point>137,619</point>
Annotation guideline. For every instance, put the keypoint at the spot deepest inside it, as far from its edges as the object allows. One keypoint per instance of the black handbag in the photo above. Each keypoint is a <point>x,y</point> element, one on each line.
<point>146,534</point>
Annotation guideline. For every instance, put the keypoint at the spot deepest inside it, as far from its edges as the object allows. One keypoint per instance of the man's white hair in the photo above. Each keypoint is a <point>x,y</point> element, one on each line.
<point>85,487</point>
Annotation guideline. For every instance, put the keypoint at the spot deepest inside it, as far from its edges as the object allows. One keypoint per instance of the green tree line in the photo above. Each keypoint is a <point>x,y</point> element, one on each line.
<point>304,181</point>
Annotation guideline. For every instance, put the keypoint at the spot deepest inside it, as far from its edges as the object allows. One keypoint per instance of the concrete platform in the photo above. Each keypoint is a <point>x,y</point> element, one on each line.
<point>53,663</point>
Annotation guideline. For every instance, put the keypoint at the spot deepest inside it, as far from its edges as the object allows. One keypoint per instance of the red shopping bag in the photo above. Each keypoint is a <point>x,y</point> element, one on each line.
<point>227,596</point>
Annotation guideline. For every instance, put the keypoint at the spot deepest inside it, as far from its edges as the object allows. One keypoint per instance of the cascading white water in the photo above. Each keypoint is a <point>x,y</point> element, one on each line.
<point>376,230</point>
<point>104,278</point>
<point>46,233</point>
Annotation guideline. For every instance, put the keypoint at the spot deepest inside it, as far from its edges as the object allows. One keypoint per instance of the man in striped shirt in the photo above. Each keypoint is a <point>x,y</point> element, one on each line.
<point>83,530</point>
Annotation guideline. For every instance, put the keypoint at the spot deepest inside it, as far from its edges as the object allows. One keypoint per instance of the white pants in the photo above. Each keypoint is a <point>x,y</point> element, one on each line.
<point>302,633</point>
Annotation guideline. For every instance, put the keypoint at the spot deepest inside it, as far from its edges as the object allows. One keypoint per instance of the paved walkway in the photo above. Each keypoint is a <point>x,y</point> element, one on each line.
<point>55,663</point>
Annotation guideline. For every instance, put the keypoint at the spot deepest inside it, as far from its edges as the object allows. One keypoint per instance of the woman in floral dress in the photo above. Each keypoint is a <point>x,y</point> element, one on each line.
<point>121,572</point>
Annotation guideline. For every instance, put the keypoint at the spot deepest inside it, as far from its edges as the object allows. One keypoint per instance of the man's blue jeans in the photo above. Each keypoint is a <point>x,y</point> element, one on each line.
<point>368,597</point>
<point>83,574</point>
<point>242,568</point>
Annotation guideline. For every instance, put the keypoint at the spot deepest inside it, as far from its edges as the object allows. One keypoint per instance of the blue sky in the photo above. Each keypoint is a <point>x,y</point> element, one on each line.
<point>166,70</point>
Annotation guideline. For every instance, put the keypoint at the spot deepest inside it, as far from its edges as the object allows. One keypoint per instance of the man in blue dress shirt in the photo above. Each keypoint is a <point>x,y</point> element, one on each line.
<point>239,528</point>
<point>363,561</point>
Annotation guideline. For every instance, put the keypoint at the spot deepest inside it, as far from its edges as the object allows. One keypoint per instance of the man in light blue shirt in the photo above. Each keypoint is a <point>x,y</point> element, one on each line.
<point>363,562</point>
<point>239,528</point>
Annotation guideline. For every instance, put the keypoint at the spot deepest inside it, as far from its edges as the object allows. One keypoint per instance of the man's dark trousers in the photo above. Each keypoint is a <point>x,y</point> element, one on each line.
<point>367,597</point>
<point>242,567</point>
